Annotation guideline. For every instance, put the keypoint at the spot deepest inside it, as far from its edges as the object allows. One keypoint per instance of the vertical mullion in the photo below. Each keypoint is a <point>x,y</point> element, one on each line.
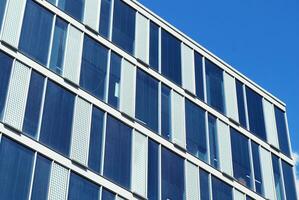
<point>42,109</point>
<point>160,108</point>
<point>160,50</point>
<point>251,165</point>
<point>111,20</point>
<point>246,107</point>
<point>32,175</point>
<point>106,95</point>
<point>207,132</point>
<point>51,41</point>
<point>159,173</point>
<point>204,79</point>
<point>103,143</point>
<point>282,178</point>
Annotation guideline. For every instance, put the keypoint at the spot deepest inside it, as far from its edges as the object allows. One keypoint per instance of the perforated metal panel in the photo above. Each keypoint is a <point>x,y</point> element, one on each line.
<point>81,131</point>
<point>225,154</point>
<point>139,164</point>
<point>92,14</point>
<point>142,38</point>
<point>239,195</point>
<point>178,119</point>
<point>231,97</point>
<point>188,68</point>
<point>192,181</point>
<point>127,88</point>
<point>270,123</point>
<point>58,183</point>
<point>13,22</point>
<point>17,95</point>
<point>73,53</point>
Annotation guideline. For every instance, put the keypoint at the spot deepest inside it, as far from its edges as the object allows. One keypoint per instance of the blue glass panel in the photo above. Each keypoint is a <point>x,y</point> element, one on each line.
<point>153,170</point>
<point>255,114</point>
<point>114,80</point>
<point>213,135</point>
<point>204,185</point>
<point>199,76</point>
<point>282,131</point>
<point>173,185</point>
<point>94,67</point>
<point>215,88</point>
<point>15,170</point>
<point>41,179</point>
<point>82,189</point>
<point>105,18</point>
<point>257,168</point>
<point>117,164</point>
<point>171,58</point>
<point>107,195</point>
<point>241,159</point>
<point>147,100</point>
<point>221,190</point>
<point>5,63</point>
<point>33,105</point>
<point>277,178</point>
<point>52,2</point>
<point>36,32</point>
<point>58,46</point>
<point>2,10</point>
<point>95,142</point>
<point>166,112</point>
<point>196,130</point>
<point>154,46</point>
<point>123,32</point>
<point>74,8</point>
<point>288,175</point>
<point>57,118</point>
<point>241,103</point>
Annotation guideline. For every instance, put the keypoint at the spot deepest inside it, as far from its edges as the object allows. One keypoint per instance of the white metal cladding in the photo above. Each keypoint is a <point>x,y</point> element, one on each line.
<point>238,195</point>
<point>225,153</point>
<point>231,97</point>
<point>267,173</point>
<point>17,95</point>
<point>142,38</point>
<point>58,183</point>
<point>270,123</point>
<point>127,88</point>
<point>13,22</point>
<point>81,131</point>
<point>188,69</point>
<point>178,119</point>
<point>73,53</point>
<point>192,181</point>
<point>92,14</point>
<point>139,164</point>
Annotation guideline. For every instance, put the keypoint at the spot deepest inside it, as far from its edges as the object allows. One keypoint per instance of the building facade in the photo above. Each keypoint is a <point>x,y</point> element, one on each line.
<point>102,99</point>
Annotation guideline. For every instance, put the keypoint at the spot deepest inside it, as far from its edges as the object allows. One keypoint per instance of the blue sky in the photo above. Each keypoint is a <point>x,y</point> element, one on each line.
<point>260,38</point>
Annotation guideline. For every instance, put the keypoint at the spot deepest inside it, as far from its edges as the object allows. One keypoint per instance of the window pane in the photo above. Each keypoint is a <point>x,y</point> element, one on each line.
<point>5,62</point>
<point>41,179</point>
<point>107,195</point>
<point>154,46</point>
<point>257,168</point>
<point>36,32</point>
<point>166,112</point>
<point>277,178</point>
<point>117,165</point>
<point>282,131</point>
<point>74,8</point>
<point>33,105</point>
<point>241,159</point>
<point>173,185</point>
<point>2,10</point>
<point>124,26</point>
<point>82,189</point>
<point>114,80</point>
<point>255,113</point>
<point>199,76</point>
<point>105,18</point>
<point>94,67</point>
<point>147,100</point>
<point>15,170</point>
<point>171,58</point>
<point>58,46</point>
<point>153,170</point>
<point>204,185</point>
<point>289,178</point>
<point>196,130</point>
<point>57,118</point>
<point>241,104</point>
<point>214,84</point>
<point>214,151</point>
<point>221,190</point>
<point>95,142</point>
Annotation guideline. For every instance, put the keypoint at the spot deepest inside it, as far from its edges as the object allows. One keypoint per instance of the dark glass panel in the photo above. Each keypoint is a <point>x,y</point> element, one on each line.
<point>282,131</point>
<point>166,112</point>
<point>204,185</point>
<point>213,135</point>
<point>153,170</point>
<point>241,103</point>
<point>74,8</point>
<point>199,76</point>
<point>114,80</point>
<point>105,18</point>
<point>154,46</point>
<point>277,178</point>
<point>257,168</point>
<point>288,175</point>
<point>221,190</point>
